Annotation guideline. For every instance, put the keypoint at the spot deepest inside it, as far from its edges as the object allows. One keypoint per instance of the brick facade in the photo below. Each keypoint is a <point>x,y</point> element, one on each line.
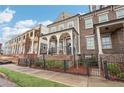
<point>110,10</point>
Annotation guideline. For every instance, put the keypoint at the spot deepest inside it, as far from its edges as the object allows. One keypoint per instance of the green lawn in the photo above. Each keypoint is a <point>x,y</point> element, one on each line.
<point>25,80</point>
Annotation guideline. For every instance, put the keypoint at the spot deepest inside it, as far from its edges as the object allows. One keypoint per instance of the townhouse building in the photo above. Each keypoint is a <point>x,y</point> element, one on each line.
<point>63,37</point>
<point>25,43</point>
<point>102,30</point>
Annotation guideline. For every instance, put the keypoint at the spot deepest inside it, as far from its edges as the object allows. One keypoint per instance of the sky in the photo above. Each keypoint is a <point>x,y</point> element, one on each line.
<point>15,20</point>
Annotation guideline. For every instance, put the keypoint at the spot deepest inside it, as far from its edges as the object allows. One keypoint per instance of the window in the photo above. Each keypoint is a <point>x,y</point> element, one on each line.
<point>103,18</point>
<point>23,37</point>
<point>53,29</point>
<point>31,34</point>
<point>106,42</point>
<point>70,24</point>
<point>97,7</point>
<point>120,13</point>
<point>61,27</point>
<point>88,23</point>
<point>90,42</point>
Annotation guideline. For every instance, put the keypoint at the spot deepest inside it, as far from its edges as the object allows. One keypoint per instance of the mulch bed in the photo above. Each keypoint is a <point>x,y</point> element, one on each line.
<point>77,70</point>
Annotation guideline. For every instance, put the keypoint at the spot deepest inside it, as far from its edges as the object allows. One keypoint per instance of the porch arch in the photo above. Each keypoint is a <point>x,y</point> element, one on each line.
<point>65,43</point>
<point>53,44</point>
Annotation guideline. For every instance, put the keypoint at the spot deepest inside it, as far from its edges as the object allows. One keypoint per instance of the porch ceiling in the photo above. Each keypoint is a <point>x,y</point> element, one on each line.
<point>111,28</point>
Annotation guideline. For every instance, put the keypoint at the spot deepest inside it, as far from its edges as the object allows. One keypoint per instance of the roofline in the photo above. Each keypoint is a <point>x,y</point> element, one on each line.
<point>96,10</point>
<point>63,20</point>
<point>25,32</point>
<point>60,31</point>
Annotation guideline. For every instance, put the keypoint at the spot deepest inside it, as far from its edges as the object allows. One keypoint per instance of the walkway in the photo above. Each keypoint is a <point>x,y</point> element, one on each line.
<point>68,79</point>
<point>6,83</point>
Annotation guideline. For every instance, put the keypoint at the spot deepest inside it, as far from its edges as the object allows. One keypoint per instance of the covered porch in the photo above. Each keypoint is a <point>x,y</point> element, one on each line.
<point>110,37</point>
<point>63,42</point>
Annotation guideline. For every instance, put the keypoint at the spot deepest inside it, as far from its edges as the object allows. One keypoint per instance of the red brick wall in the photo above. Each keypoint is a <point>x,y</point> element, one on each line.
<point>84,32</point>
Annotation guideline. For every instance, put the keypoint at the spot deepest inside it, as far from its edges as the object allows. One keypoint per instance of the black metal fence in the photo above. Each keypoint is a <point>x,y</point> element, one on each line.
<point>113,67</point>
<point>84,66</point>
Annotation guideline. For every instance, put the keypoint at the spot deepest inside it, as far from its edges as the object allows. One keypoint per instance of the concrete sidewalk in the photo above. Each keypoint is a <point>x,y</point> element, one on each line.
<point>68,79</point>
<point>6,83</point>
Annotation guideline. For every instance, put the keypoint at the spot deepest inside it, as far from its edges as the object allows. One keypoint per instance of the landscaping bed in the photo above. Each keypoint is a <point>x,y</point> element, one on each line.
<point>116,71</point>
<point>25,80</point>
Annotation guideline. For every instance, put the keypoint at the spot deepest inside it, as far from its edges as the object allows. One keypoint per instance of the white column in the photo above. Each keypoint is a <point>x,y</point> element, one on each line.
<point>72,44</point>
<point>48,45</point>
<point>32,43</point>
<point>57,45</point>
<point>99,41</point>
<point>64,46</point>
<point>58,48</point>
<point>39,46</point>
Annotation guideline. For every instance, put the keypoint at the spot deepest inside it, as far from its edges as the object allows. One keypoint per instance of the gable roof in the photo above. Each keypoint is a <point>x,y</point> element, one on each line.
<point>63,16</point>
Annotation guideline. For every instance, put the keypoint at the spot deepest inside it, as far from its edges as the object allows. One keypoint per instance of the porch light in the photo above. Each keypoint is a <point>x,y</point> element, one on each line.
<point>106,28</point>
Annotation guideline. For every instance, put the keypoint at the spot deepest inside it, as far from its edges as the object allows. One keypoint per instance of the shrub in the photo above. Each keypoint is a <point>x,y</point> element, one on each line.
<point>38,62</point>
<point>52,63</point>
<point>121,76</point>
<point>113,69</point>
<point>91,61</point>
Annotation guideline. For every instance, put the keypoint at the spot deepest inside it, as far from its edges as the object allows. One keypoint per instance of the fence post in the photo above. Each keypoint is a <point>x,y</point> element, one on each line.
<point>30,61</point>
<point>106,70</point>
<point>64,65</point>
<point>87,65</point>
<point>18,61</point>
<point>26,62</point>
<point>44,61</point>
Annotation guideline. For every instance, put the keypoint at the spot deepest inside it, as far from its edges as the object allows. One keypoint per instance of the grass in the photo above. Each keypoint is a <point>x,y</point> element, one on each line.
<point>25,80</point>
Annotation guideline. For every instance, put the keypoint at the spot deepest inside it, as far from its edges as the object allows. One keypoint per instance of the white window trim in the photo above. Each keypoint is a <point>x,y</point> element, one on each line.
<point>122,8</point>
<point>88,17</point>
<point>52,28</point>
<point>89,36</point>
<point>102,15</point>
<point>85,23</point>
<point>110,40</point>
<point>116,9</point>
<point>69,23</point>
<point>61,26</point>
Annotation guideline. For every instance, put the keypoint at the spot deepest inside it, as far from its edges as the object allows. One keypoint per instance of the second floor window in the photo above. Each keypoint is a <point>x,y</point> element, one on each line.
<point>88,23</point>
<point>120,13</point>
<point>70,24</point>
<point>53,29</point>
<point>61,27</point>
<point>90,42</point>
<point>103,18</point>
<point>106,42</point>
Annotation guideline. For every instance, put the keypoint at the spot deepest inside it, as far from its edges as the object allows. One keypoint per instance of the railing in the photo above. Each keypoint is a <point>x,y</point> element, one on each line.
<point>87,66</point>
<point>60,50</point>
<point>113,66</point>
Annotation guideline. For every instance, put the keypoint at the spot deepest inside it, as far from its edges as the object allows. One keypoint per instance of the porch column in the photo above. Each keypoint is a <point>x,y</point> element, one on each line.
<point>32,45</point>
<point>72,43</point>
<point>64,47</point>
<point>39,46</point>
<point>58,45</point>
<point>99,41</point>
<point>99,47</point>
<point>48,46</point>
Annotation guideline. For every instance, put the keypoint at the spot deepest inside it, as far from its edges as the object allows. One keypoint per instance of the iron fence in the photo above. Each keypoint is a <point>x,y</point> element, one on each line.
<point>84,66</point>
<point>113,67</point>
